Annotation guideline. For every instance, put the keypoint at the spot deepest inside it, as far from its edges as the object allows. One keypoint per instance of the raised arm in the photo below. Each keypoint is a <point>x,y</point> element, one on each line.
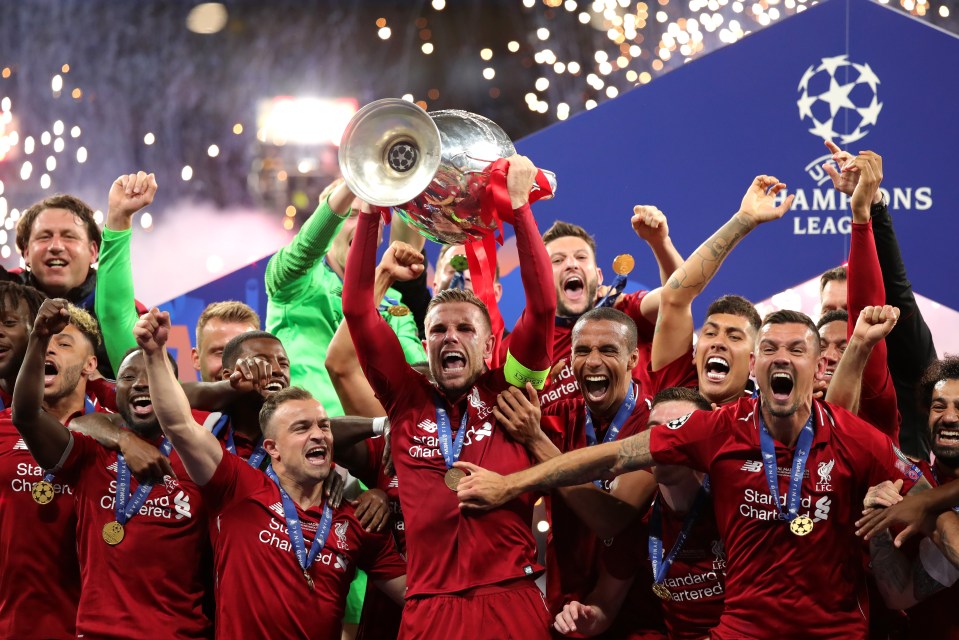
<point>355,393</point>
<point>531,345</point>
<point>651,226</point>
<point>873,324</point>
<point>114,301</point>
<point>674,329</point>
<point>865,287</point>
<point>198,448</point>
<point>483,489</point>
<point>309,245</point>
<point>43,434</point>
<point>377,347</point>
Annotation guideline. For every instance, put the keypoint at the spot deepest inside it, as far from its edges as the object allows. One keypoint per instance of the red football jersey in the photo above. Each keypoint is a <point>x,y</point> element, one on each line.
<point>934,617</point>
<point>157,577</point>
<point>390,485</point>
<point>572,551</point>
<point>563,385</point>
<point>39,570</point>
<point>451,550</point>
<point>696,579</point>
<point>779,584</point>
<point>260,588</point>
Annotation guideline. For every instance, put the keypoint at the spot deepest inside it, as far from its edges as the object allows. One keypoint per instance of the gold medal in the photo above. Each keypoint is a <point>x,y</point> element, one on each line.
<point>113,533</point>
<point>43,492</point>
<point>453,477</point>
<point>459,263</point>
<point>623,264</point>
<point>801,525</point>
<point>660,590</point>
<point>398,310</point>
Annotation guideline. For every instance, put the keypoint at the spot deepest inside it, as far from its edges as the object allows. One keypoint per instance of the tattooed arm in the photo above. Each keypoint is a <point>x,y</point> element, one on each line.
<point>484,489</point>
<point>903,582</point>
<point>674,327</point>
<point>946,535</point>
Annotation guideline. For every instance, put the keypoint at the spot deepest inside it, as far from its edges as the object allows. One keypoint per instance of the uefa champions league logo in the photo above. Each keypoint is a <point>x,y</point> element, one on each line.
<point>839,99</point>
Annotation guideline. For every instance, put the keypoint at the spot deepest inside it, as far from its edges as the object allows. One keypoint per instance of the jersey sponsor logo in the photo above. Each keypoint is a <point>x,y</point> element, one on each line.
<point>759,505</point>
<point>477,434</point>
<point>162,507</point>
<point>20,445</point>
<point>822,509</point>
<point>181,504</point>
<point>562,385</point>
<point>277,535</point>
<point>678,422</point>
<point>825,475</point>
<point>339,529</point>
<point>427,425</point>
<point>24,480</point>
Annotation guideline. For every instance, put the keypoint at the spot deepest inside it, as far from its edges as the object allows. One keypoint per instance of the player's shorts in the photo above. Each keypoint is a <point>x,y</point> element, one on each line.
<point>509,610</point>
<point>381,616</point>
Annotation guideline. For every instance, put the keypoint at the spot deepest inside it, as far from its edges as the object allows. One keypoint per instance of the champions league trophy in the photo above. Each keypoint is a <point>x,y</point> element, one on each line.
<point>433,168</point>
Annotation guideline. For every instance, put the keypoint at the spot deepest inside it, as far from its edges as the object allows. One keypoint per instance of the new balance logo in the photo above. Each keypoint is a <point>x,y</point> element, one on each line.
<point>341,562</point>
<point>753,466</point>
<point>428,426</point>
<point>112,467</point>
<point>394,483</point>
<point>20,445</point>
<point>277,508</point>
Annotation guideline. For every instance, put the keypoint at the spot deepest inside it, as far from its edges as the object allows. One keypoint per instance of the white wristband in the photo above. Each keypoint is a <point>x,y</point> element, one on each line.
<point>379,425</point>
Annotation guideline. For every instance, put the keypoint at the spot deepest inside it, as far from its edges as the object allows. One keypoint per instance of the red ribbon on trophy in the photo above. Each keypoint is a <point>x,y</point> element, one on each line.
<point>496,208</point>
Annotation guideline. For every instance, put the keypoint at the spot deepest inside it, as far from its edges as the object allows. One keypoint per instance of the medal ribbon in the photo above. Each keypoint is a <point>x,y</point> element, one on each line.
<point>768,447</point>
<point>126,506</point>
<point>622,414</point>
<point>256,458</point>
<point>450,449</point>
<point>295,529</point>
<point>88,407</point>
<point>615,289</point>
<point>660,564</point>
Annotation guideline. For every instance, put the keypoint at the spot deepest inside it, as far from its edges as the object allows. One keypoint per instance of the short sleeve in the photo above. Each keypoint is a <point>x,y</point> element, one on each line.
<point>233,478</point>
<point>379,557</point>
<point>691,440</point>
<point>80,451</point>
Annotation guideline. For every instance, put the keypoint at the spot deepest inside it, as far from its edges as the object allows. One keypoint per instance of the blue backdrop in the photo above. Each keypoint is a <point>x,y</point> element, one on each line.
<point>691,142</point>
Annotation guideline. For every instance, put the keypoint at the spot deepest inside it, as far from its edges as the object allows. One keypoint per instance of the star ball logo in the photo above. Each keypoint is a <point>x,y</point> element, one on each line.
<point>839,94</point>
<point>839,100</point>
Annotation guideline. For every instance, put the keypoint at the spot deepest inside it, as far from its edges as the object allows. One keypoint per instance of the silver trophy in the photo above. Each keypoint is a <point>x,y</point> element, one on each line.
<point>431,167</point>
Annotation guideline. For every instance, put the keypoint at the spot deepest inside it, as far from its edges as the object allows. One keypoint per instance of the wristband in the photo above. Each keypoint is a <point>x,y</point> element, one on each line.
<point>379,425</point>
<point>518,375</point>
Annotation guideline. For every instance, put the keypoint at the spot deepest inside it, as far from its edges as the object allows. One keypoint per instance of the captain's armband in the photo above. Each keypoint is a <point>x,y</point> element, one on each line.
<point>518,375</point>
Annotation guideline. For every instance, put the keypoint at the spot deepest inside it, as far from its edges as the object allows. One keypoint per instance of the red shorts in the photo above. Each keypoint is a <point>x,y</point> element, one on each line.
<point>510,610</point>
